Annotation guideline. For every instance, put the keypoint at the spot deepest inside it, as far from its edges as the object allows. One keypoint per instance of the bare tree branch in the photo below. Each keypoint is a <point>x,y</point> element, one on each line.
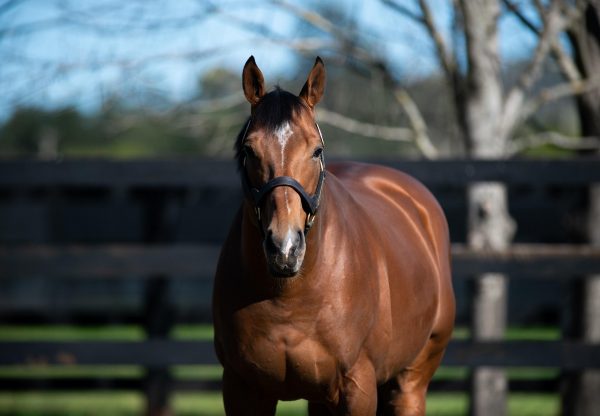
<point>571,15</point>
<point>422,140</point>
<point>60,68</point>
<point>446,59</point>
<point>420,137</point>
<point>426,19</point>
<point>93,18</point>
<point>555,139</point>
<point>565,62</point>
<point>557,92</point>
<point>554,22</point>
<point>514,8</point>
<point>402,9</point>
<point>209,106</point>
<point>351,125</point>
<point>303,45</point>
<point>346,37</point>
<point>396,134</point>
<point>315,19</point>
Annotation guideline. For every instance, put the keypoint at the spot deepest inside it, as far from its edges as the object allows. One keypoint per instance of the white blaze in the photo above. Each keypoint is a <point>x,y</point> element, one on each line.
<point>287,203</point>
<point>288,241</point>
<point>283,133</point>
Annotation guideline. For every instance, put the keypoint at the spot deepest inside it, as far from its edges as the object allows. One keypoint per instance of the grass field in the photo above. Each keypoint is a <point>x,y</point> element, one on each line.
<point>209,404</point>
<point>100,403</point>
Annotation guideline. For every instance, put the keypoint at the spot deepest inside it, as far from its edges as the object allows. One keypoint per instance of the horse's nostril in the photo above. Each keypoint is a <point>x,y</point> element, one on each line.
<point>284,254</point>
<point>270,244</point>
<point>299,242</point>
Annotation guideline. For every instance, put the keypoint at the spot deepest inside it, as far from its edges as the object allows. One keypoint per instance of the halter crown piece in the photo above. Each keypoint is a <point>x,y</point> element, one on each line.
<point>310,203</point>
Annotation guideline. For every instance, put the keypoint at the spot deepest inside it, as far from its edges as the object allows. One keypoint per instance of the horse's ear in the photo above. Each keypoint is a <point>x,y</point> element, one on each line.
<point>315,84</point>
<point>253,82</point>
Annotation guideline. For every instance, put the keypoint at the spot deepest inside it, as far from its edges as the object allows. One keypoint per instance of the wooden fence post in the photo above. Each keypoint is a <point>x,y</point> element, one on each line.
<point>589,400</point>
<point>489,386</point>
<point>161,215</point>
<point>158,323</point>
<point>490,228</point>
<point>581,391</point>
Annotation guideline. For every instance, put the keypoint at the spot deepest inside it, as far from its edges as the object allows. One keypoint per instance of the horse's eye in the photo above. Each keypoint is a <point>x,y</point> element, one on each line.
<point>317,153</point>
<point>248,151</point>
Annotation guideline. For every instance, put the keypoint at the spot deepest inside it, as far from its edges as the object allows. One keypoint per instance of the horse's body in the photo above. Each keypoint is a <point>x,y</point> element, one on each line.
<point>362,326</point>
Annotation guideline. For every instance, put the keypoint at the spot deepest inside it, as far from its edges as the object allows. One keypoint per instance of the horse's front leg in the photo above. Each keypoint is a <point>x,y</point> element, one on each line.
<point>240,398</point>
<point>359,390</point>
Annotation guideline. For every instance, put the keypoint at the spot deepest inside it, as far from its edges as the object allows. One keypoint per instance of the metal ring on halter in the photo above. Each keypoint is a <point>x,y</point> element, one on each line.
<point>310,219</point>
<point>257,212</point>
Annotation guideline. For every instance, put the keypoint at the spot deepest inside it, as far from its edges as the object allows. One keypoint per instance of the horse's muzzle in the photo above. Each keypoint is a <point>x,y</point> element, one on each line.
<point>284,255</point>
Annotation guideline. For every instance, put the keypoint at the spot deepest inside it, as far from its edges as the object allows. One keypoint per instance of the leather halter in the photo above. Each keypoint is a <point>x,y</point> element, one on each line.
<point>310,203</point>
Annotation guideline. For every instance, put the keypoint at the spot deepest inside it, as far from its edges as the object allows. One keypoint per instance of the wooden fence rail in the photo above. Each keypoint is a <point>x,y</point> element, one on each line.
<point>568,355</point>
<point>199,261</point>
<point>156,256</point>
<point>210,173</point>
<point>20,384</point>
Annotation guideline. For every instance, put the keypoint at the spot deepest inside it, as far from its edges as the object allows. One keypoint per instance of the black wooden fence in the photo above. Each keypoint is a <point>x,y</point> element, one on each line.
<point>156,221</point>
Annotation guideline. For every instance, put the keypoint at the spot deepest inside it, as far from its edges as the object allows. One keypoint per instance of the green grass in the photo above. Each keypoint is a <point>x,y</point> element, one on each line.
<point>71,333</point>
<point>97,333</point>
<point>71,404</point>
<point>101,333</point>
<point>198,332</point>
<point>202,332</point>
<point>118,404</point>
<point>209,404</point>
<point>55,371</point>
<point>517,333</point>
<point>203,403</point>
<point>457,404</point>
<point>193,332</point>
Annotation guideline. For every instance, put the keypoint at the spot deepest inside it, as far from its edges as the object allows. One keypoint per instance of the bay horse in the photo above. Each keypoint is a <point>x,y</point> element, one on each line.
<point>333,285</point>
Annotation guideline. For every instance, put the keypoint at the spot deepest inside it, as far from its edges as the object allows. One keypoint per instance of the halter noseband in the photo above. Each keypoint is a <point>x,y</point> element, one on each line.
<point>310,203</point>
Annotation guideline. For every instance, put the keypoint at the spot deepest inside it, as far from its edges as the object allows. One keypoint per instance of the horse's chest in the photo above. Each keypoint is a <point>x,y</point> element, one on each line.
<point>286,360</point>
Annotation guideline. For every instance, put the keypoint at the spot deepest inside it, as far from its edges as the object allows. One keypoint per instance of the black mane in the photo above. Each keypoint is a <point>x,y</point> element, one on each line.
<point>272,110</point>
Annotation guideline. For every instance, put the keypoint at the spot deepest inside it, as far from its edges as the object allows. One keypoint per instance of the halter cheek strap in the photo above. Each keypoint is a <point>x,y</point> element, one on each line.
<point>310,203</point>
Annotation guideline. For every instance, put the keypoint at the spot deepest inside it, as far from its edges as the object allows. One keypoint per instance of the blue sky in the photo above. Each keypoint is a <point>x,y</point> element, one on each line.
<point>64,62</point>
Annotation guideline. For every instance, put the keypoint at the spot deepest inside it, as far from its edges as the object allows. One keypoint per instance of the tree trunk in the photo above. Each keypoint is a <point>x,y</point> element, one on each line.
<point>580,394</point>
<point>490,225</point>
<point>483,95</point>
<point>585,40</point>
<point>580,389</point>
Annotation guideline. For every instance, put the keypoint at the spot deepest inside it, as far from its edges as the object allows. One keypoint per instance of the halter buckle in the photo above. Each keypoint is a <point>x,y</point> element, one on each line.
<point>310,220</point>
<point>257,212</point>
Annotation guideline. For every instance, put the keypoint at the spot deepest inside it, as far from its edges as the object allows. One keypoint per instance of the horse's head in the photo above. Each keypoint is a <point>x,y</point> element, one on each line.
<point>281,163</point>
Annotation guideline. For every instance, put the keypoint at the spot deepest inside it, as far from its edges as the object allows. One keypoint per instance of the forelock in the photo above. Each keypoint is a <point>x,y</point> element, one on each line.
<point>276,108</point>
<point>272,111</point>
